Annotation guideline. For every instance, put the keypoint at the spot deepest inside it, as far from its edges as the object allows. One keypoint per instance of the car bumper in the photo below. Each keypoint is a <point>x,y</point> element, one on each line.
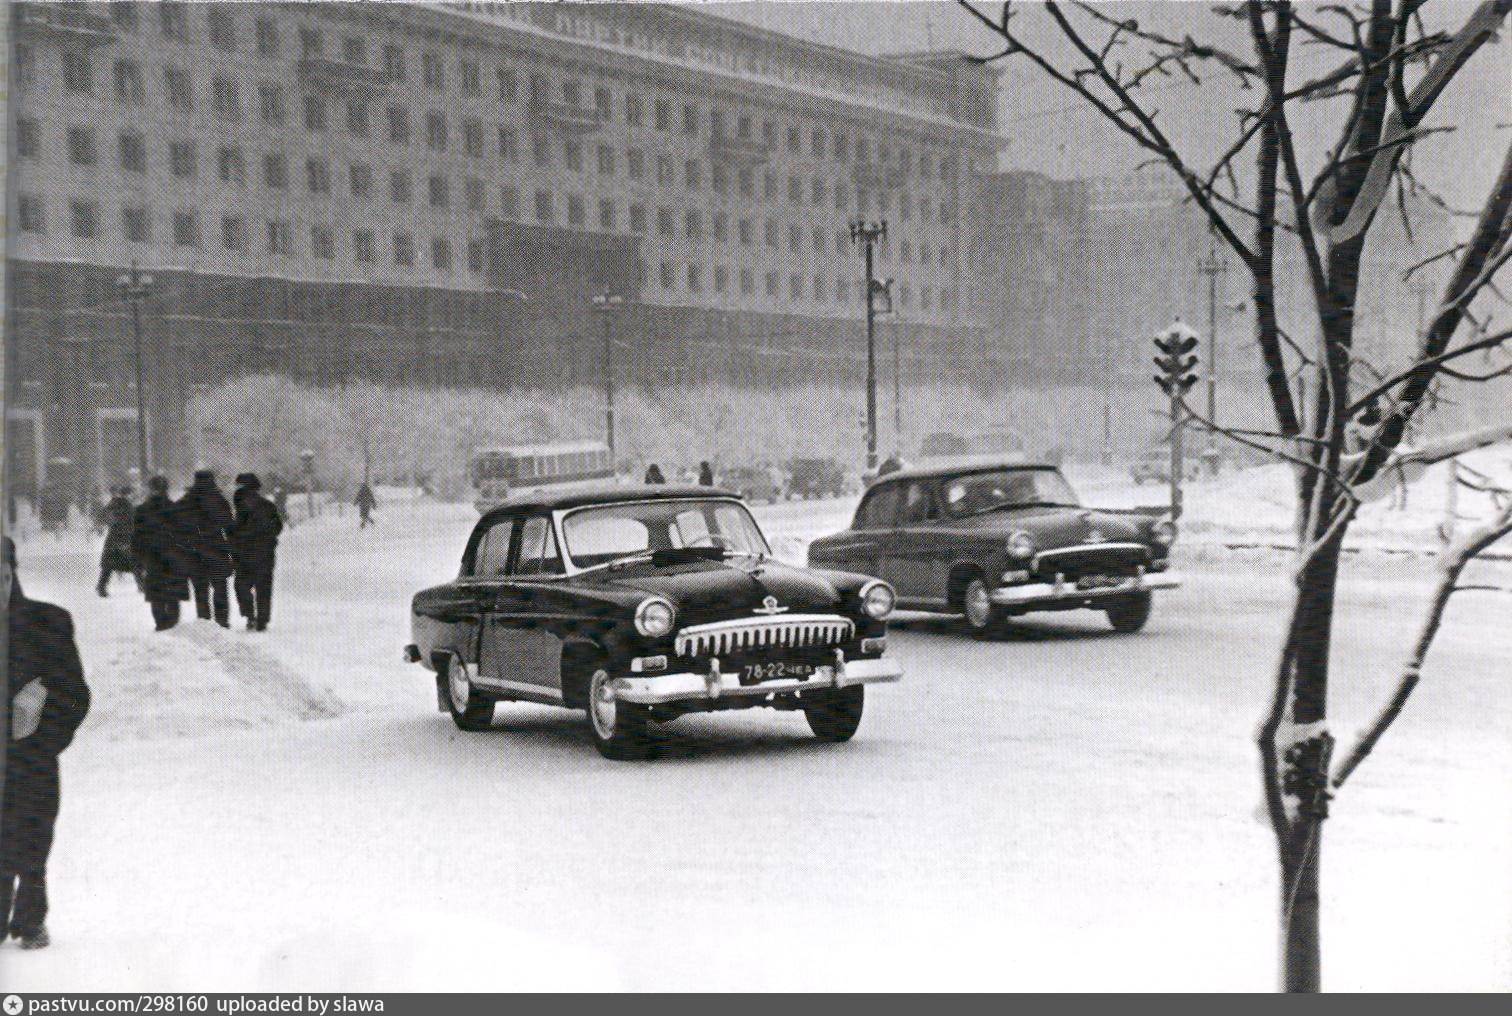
<point>1055,592</point>
<point>656,689</point>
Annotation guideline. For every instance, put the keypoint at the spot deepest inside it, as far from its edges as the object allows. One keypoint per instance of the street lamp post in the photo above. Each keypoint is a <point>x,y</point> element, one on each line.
<point>898,384</point>
<point>1212,266</point>
<point>135,286</point>
<point>605,303</point>
<point>867,235</point>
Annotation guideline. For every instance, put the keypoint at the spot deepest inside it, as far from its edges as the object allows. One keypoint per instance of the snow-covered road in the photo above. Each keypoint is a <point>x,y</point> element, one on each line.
<point>1062,808</point>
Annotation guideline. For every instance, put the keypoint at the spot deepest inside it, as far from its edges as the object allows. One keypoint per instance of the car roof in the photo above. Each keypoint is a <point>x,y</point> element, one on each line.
<point>582,497</point>
<point>951,465</point>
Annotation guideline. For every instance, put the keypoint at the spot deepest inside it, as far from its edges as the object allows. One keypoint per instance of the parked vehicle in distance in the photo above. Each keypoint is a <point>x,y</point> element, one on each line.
<point>754,483</point>
<point>1155,464</point>
<point>996,537</point>
<point>641,604</point>
<point>815,477</point>
<point>503,472</point>
<point>942,443</point>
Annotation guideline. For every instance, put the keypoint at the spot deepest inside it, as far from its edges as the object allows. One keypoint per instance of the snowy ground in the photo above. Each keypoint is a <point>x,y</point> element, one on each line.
<point>1059,809</point>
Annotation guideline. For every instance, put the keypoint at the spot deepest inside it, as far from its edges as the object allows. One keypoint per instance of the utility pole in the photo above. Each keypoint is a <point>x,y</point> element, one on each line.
<point>1212,266</point>
<point>898,384</point>
<point>867,235</point>
<point>135,287</point>
<point>604,304</point>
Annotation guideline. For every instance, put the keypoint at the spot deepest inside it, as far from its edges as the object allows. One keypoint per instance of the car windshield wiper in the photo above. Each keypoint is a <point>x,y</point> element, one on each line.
<point>1019,504</point>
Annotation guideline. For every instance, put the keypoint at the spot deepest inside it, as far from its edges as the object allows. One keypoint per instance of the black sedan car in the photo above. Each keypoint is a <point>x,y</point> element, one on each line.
<point>645,603</point>
<point>997,537</point>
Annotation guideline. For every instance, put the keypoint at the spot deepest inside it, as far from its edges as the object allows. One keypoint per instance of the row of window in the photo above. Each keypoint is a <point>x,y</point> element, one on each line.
<point>800,287</point>
<point>817,142</point>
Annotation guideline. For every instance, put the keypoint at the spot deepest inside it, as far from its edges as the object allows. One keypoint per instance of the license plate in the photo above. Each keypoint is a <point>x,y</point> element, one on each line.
<point>756,673</point>
<point>1098,582</point>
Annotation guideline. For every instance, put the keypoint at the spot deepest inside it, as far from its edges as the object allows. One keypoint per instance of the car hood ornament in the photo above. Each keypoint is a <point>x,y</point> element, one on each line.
<point>769,606</point>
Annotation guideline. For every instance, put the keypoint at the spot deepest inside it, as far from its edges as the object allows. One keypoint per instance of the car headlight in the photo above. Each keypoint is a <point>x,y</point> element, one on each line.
<point>654,617</point>
<point>1164,532</point>
<point>1021,544</point>
<point>878,599</point>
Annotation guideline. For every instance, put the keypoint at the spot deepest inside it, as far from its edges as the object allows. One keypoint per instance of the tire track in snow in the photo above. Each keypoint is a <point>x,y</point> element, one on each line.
<point>263,677</point>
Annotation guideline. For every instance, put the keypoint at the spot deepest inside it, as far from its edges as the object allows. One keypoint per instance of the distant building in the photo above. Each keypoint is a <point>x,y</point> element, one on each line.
<point>434,193</point>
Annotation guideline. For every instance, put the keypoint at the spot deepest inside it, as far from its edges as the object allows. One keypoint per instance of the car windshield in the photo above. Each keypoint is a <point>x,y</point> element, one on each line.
<point>976,493</point>
<point>636,530</point>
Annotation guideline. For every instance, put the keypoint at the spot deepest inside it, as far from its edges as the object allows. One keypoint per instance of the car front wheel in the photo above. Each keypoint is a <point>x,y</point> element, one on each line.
<point>982,615</point>
<point>836,716</point>
<point>469,710</point>
<point>1129,614</point>
<point>618,728</point>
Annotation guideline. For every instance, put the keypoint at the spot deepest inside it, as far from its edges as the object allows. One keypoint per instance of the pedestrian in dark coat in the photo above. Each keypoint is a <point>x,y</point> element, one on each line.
<point>705,474</point>
<point>654,474</point>
<point>206,515</point>
<point>254,544</point>
<point>365,503</point>
<point>159,549</point>
<point>115,556</point>
<point>48,701</point>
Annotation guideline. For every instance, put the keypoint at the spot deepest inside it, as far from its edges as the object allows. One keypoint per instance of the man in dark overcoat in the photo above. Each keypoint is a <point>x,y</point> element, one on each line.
<point>206,515</point>
<point>365,503</point>
<point>158,548</point>
<point>254,545</point>
<point>48,701</point>
<point>115,556</point>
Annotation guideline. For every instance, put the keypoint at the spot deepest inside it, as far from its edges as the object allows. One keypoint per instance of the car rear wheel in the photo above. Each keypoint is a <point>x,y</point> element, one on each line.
<point>618,728</point>
<point>982,615</point>
<point>469,710</point>
<point>1130,613</point>
<point>836,716</point>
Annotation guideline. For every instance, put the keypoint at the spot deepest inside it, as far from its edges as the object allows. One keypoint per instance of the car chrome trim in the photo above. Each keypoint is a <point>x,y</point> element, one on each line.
<point>533,692</point>
<point>789,631</point>
<point>1037,592</point>
<point>684,686</point>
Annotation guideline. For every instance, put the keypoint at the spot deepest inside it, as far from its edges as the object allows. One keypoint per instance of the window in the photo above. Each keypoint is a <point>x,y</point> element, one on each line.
<point>795,286</point>
<point>542,150</point>
<point>30,213</point>
<point>230,165</point>
<point>666,224</point>
<point>441,254</point>
<point>879,510</point>
<point>275,171</point>
<point>538,550</point>
<point>695,278</point>
<point>602,103</point>
<point>747,182</point>
<point>438,191</point>
<point>133,152</point>
<point>270,99</point>
<point>795,239</point>
<point>84,217</point>
<point>509,202</point>
<point>78,75</point>
<point>719,178</point>
<point>361,179</point>
<point>771,232</point>
<point>666,274</point>
<point>746,232</point>
<point>431,71</point>
<point>637,218</point>
<point>816,191</point>
<point>226,100</point>
<point>543,206</point>
<point>691,174</point>
<point>605,160</point>
<point>473,190</point>
<point>393,63</point>
<point>357,118</point>
<point>280,240</point>
<point>572,156</point>
<point>508,87</point>
<point>721,278</point>
<point>124,15</point>
<point>509,148</point>
<point>128,82</point>
<point>635,163</point>
<point>472,138</point>
<point>404,250</point>
<point>81,146</point>
<point>690,119</point>
<point>693,224</point>
<point>771,284</point>
<point>769,186</point>
<point>817,146</point>
<point>818,289</point>
<point>664,174</point>
<point>576,214</point>
<point>720,225</point>
<point>354,50</point>
<point>475,256</point>
<point>186,231</point>
<point>26,65</point>
<point>435,131</point>
<point>635,113</point>
<point>398,125</point>
<point>311,43</point>
<point>267,37</point>
<point>180,93</point>
<point>747,282</point>
<point>606,215</point>
<point>795,190</point>
<point>136,225</point>
<point>318,173</point>
<point>28,138</point>
<point>842,290</point>
<point>174,21</point>
<point>314,112</point>
<point>768,134</point>
<point>905,207</point>
<point>572,92</point>
<point>663,115</point>
<point>222,30</point>
<point>322,242</point>
<point>819,241</point>
<point>234,232</point>
<point>363,248</point>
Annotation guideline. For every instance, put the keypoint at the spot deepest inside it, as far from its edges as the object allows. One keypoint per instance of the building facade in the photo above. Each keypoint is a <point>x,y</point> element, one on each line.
<point>435,194</point>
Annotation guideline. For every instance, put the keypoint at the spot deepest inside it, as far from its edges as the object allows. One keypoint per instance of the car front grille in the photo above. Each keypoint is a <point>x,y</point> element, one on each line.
<point>794,631</point>
<point>1092,559</point>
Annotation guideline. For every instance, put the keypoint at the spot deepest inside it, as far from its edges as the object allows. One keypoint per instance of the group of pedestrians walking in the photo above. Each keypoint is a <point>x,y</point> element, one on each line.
<point>195,545</point>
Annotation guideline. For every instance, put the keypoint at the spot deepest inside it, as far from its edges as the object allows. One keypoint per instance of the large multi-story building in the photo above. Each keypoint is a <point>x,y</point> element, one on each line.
<point>436,194</point>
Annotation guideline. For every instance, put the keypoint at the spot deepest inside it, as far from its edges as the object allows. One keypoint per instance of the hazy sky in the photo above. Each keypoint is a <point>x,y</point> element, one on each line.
<point>1048,130</point>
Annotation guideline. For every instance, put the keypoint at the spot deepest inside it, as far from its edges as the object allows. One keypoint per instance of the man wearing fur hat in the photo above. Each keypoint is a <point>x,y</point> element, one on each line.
<point>254,544</point>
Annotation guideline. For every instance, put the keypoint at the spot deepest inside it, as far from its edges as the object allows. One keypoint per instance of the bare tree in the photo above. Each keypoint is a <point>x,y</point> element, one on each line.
<point>1377,105</point>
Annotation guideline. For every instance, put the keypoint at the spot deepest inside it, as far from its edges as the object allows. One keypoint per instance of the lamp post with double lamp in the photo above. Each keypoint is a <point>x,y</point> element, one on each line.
<point>605,304</point>
<point>867,235</point>
<point>1212,265</point>
<point>135,286</point>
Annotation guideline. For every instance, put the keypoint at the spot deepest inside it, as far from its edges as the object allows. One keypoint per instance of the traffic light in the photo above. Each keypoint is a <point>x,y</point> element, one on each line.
<point>1177,362</point>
